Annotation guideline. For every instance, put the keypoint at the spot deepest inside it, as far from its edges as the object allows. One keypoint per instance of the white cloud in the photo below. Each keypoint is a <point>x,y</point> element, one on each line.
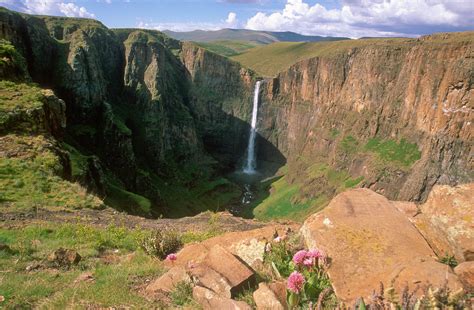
<point>48,7</point>
<point>232,20</point>
<point>358,18</point>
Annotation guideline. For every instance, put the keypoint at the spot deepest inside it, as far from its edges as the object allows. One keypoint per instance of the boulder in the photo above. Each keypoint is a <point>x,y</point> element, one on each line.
<point>237,273</point>
<point>266,299</point>
<point>168,281</point>
<point>63,258</point>
<point>210,300</point>
<point>369,241</point>
<point>247,245</point>
<point>465,272</point>
<point>447,221</point>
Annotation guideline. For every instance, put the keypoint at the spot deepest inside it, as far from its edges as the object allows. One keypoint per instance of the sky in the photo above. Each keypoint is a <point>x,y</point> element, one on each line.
<point>351,18</point>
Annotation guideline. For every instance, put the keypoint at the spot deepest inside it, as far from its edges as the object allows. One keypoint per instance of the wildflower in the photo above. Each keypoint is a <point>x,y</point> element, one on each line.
<point>308,262</point>
<point>171,257</point>
<point>277,239</point>
<point>299,257</point>
<point>315,253</point>
<point>295,282</point>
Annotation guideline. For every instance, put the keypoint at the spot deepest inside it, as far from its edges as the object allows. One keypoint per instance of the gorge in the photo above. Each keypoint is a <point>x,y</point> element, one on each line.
<point>131,126</point>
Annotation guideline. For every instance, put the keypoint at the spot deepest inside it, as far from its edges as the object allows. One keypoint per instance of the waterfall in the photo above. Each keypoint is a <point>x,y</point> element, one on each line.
<point>251,163</point>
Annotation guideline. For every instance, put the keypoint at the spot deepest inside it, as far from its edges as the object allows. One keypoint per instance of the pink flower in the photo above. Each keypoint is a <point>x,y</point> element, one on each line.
<point>277,239</point>
<point>299,257</point>
<point>295,282</point>
<point>315,253</point>
<point>308,262</point>
<point>171,257</point>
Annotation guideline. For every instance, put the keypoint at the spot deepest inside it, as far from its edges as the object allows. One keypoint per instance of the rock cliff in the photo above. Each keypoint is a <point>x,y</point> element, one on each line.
<point>396,114</point>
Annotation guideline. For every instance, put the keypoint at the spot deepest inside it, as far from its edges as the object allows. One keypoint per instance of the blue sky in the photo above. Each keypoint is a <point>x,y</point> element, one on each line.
<point>353,18</point>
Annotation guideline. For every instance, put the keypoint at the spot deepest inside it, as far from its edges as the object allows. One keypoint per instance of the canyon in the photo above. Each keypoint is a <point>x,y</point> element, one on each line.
<point>362,148</point>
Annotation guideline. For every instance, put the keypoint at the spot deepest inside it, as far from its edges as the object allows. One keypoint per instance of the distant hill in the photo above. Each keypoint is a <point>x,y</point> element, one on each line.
<point>260,37</point>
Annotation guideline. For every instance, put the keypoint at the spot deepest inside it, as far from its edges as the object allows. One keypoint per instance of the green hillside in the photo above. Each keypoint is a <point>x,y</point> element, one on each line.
<point>260,37</point>
<point>228,48</point>
<point>270,59</point>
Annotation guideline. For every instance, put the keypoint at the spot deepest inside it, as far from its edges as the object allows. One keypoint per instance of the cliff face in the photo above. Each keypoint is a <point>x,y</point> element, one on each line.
<point>146,105</point>
<point>352,109</point>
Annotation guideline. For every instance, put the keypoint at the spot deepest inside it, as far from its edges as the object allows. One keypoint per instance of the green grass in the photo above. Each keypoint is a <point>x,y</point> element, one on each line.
<point>45,288</point>
<point>270,59</point>
<point>281,203</point>
<point>401,152</point>
<point>228,48</point>
<point>122,199</point>
<point>15,96</point>
<point>31,178</point>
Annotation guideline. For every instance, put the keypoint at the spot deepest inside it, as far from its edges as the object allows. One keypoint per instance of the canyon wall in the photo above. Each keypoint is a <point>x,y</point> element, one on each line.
<point>349,109</point>
<point>147,106</point>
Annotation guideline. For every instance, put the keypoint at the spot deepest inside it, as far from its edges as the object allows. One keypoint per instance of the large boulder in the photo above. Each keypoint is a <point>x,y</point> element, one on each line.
<point>447,221</point>
<point>370,241</point>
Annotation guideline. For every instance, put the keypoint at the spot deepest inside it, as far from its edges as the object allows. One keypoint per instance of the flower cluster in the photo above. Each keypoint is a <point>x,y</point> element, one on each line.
<point>295,282</point>
<point>307,258</point>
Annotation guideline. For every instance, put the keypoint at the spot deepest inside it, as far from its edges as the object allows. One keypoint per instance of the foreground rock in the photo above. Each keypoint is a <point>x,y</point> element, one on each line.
<point>370,241</point>
<point>270,296</point>
<point>447,221</point>
<point>465,272</point>
<point>248,246</point>
<point>210,300</point>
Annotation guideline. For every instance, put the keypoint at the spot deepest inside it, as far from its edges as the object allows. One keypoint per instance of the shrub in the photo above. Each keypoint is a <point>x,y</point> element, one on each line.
<point>161,243</point>
<point>449,260</point>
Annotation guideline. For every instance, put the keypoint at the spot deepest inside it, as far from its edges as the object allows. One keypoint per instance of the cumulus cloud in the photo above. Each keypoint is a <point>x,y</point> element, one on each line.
<point>48,7</point>
<point>232,20</point>
<point>358,18</point>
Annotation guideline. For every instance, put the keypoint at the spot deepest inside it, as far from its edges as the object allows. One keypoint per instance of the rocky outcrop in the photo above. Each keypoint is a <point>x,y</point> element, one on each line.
<point>369,241</point>
<point>447,221</point>
<point>327,109</point>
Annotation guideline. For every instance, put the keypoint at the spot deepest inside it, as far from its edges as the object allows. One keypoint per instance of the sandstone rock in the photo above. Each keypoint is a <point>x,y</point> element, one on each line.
<point>210,300</point>
<point>447,221</point>
<point>368,241</point>
<point>408,208</point>
<point>64,258</point>
<point>266,299</point>
<point>465,272</point>
<point>245,243</point>
<point>207,277</point>
<point>168,281</point>
<point>230,267</point>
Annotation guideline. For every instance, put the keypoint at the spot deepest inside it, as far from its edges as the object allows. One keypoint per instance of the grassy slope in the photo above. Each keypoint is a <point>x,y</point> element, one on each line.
<point>270,59</point>
<point>30,166</point>
<point>228,48</point>
<point>316,182</point>
<point>47,288</point>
